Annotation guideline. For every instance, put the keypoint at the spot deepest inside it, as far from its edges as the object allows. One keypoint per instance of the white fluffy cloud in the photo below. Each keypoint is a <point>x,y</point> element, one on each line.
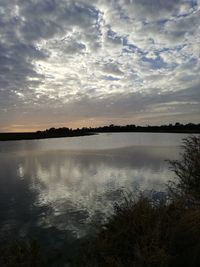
<point>96,62</point>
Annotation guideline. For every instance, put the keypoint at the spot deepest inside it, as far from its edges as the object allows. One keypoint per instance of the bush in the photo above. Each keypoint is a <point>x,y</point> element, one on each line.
<point>22,253</point>
<point>142,234</point>
<point>148,233</point>
<point>186,185</point>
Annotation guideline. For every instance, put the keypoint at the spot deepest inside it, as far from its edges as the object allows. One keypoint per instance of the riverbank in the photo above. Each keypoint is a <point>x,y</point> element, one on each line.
<point>75,133</point>
<point>189,128</point>
<point>36,135</point>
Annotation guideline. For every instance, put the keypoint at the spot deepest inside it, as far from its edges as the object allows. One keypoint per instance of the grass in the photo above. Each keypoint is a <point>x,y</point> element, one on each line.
<point>143,234</point>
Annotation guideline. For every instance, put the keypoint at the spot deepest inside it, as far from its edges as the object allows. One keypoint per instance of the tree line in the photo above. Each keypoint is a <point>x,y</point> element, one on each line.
<point>69,132</point>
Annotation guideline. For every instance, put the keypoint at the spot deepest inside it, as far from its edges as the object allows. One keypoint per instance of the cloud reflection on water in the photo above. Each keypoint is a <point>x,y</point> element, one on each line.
<point>67,190</point>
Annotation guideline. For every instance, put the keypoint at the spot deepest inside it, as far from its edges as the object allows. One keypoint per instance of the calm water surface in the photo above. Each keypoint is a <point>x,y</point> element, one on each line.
<point>57,189</point>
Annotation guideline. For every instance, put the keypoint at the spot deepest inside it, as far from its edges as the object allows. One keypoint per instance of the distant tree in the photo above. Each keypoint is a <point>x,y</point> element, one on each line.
<point>51,130</point>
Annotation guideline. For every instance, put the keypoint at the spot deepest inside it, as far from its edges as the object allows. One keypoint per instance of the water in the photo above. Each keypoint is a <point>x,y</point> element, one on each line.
<point>56,190</point>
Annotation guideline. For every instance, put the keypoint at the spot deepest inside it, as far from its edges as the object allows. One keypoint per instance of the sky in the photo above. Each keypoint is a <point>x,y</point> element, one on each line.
<point>92,63</point>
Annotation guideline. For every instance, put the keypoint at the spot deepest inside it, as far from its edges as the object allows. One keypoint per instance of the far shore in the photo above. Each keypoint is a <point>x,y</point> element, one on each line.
<point>60,133</point>
<point>34,135</point>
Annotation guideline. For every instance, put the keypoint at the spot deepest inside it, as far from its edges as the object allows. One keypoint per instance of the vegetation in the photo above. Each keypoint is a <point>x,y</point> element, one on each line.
<point>48,133</point>
<point>186,185</point>
<point>143,232</point>
<point>66,132</point>
<point>170,128</point>
<point>155,233</point>
<point>22,254</point>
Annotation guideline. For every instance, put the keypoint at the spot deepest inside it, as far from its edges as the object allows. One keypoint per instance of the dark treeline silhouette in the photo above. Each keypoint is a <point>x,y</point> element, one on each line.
<point>177,128</point>
<point>68,132</point>
<point>49,133</point>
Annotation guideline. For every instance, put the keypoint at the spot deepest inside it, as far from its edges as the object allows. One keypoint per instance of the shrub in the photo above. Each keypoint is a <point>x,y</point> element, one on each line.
<point>147,233</point>
<point>186,185</point>
<point>22,253</point>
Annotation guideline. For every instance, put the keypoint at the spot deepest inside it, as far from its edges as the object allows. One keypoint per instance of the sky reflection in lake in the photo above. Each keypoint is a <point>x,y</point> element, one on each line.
<point>51,184</point>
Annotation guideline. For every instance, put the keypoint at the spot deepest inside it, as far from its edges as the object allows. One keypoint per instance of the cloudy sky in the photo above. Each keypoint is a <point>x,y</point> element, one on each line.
<point>86,63</point>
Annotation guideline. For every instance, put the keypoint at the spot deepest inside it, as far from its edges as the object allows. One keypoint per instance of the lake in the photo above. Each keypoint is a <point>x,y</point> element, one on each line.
<point>57,190</point>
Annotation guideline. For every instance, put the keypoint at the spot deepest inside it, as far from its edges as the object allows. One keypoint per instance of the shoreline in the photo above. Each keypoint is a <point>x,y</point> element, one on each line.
<point>37,136</point>
<point>34,136</point>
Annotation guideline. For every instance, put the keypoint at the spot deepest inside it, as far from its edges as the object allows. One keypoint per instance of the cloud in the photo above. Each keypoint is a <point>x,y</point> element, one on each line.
<point>118,60</point>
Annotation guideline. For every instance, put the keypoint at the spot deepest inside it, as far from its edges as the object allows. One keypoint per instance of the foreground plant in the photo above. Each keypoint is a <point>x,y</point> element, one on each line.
<point>147,233</point>
<point>186,185</point>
